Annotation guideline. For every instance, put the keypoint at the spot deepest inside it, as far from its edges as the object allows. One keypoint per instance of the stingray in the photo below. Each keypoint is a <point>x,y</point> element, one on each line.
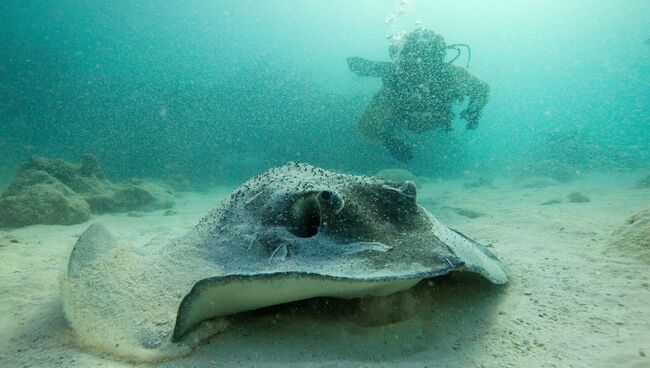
<point>292,233</point>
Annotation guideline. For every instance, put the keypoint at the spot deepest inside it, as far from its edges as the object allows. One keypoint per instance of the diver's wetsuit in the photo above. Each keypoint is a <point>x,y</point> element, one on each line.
<point>417,101</point>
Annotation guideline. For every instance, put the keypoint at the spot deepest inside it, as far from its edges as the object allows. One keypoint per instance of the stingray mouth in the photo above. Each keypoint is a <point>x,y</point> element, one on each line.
<point>306,212</point>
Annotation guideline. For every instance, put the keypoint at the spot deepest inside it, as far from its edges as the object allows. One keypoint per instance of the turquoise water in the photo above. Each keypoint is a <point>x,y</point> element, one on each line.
<point>180,102</point>
<point>219,91</point>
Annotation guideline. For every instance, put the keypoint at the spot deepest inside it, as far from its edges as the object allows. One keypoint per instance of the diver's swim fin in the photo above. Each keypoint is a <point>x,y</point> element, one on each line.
<point>367,68</point>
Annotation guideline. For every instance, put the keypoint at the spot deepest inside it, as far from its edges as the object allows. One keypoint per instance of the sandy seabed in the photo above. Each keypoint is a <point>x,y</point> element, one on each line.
<point>568,304</point>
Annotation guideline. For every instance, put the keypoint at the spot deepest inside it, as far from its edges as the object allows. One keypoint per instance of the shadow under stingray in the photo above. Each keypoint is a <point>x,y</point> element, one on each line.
<point>441,316</point>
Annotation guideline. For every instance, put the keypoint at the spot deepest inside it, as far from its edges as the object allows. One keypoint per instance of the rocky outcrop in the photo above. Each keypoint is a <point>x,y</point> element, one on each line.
<point>133,195</point>
<point>51,191</point>
<point>36,197</point>
<point>86,179</point>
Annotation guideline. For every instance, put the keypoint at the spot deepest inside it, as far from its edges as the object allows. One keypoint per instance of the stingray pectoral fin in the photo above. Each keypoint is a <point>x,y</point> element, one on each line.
<point>223,296</point>
<point>476,257</point>
<point>92,244</point>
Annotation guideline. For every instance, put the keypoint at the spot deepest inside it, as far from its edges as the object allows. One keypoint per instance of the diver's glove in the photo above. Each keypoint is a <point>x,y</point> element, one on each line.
<point>399,150</point>
<point>471,117</point>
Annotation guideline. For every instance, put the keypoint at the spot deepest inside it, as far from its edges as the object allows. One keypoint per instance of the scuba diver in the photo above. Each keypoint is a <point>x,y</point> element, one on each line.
<point>418,91</point>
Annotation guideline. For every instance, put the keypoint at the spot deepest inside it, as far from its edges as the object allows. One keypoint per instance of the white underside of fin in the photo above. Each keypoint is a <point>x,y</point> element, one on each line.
<point>227,298</point>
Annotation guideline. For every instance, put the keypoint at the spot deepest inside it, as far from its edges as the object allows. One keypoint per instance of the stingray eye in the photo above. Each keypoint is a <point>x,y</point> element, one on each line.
<point>408,189</point>
<point>306,213</point>
<point>304,217</point>
<point>331,201</point>
<point>325,195</point>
